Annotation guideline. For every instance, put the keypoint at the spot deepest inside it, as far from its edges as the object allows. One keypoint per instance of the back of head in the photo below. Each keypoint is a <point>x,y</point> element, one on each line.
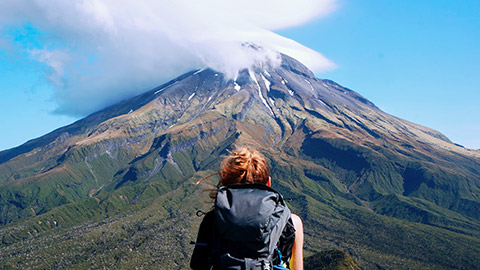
<point>245,166</point>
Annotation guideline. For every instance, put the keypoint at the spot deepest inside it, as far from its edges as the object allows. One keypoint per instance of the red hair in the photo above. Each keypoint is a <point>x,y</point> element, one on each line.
<point>242,166</point>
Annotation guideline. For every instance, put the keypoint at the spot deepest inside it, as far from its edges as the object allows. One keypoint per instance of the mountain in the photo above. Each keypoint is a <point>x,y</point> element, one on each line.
<point>330,260</point>
<point>117,187</point>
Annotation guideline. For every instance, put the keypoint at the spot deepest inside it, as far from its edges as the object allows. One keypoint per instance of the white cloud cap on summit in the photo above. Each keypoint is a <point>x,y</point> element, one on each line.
<point>98,52</point>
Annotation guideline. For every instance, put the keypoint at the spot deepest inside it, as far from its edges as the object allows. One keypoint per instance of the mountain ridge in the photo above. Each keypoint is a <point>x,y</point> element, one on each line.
<point>334,153</point>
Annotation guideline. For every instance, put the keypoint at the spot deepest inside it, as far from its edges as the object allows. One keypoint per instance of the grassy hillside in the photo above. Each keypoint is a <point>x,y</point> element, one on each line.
<point>330,260</point>
<point>151,225</point>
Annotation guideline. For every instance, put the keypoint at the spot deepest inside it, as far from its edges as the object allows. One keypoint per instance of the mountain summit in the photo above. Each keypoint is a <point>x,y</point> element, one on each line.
<point>362,180</point>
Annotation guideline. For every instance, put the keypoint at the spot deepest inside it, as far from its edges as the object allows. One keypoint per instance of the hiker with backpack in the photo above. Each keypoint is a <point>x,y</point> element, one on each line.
<point>250,226</point>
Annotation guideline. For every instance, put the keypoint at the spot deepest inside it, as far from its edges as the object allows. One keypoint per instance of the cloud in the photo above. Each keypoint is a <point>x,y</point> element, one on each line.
<point>99,52</point>
<point>55,60</point>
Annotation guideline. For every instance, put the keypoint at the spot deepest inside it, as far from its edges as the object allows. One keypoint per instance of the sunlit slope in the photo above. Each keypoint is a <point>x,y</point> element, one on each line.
<point>389,192</point>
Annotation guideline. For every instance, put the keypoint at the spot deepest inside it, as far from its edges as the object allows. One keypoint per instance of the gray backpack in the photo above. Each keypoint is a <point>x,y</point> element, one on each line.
<point>249,220</point>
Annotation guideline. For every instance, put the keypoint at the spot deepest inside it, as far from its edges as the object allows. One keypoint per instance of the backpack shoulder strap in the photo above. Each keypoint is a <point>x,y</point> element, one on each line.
<point>278,231</point>
<point>283,252</point>
<point>201,253</point>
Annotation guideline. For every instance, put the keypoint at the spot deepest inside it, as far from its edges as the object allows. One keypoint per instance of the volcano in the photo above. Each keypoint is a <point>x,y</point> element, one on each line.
<point>116,188</point>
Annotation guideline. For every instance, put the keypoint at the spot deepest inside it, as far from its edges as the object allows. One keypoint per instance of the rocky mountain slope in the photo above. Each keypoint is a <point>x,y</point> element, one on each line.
<point>391,193</point>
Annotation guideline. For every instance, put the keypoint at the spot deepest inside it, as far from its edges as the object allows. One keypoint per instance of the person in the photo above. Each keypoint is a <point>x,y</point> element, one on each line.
<point>243,174</point>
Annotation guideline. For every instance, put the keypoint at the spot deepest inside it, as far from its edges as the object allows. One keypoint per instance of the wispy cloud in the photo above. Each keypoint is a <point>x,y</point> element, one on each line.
<point>56,61</point>
<point>99,52</point>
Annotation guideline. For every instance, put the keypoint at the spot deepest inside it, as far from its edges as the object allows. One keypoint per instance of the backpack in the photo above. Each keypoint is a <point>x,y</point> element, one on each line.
<point>250,228</point>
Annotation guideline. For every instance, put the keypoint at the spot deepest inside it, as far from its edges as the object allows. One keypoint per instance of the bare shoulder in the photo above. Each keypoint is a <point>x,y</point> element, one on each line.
<point>297,222</point>
<point>296,262</point>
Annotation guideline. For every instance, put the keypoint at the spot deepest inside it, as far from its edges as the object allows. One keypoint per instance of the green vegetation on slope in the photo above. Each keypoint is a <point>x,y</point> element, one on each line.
<point>118,193</point>
<point>330,260</point>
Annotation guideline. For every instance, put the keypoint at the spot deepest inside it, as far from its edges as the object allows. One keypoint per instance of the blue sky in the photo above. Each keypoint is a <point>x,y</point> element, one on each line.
<point>418,60</point>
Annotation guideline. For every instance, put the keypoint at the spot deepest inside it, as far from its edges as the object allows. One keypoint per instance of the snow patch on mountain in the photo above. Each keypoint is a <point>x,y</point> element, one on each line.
<point>311,86</point>
<point>252,76</point>
<point>236,86</point>
<point>267,82</point>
